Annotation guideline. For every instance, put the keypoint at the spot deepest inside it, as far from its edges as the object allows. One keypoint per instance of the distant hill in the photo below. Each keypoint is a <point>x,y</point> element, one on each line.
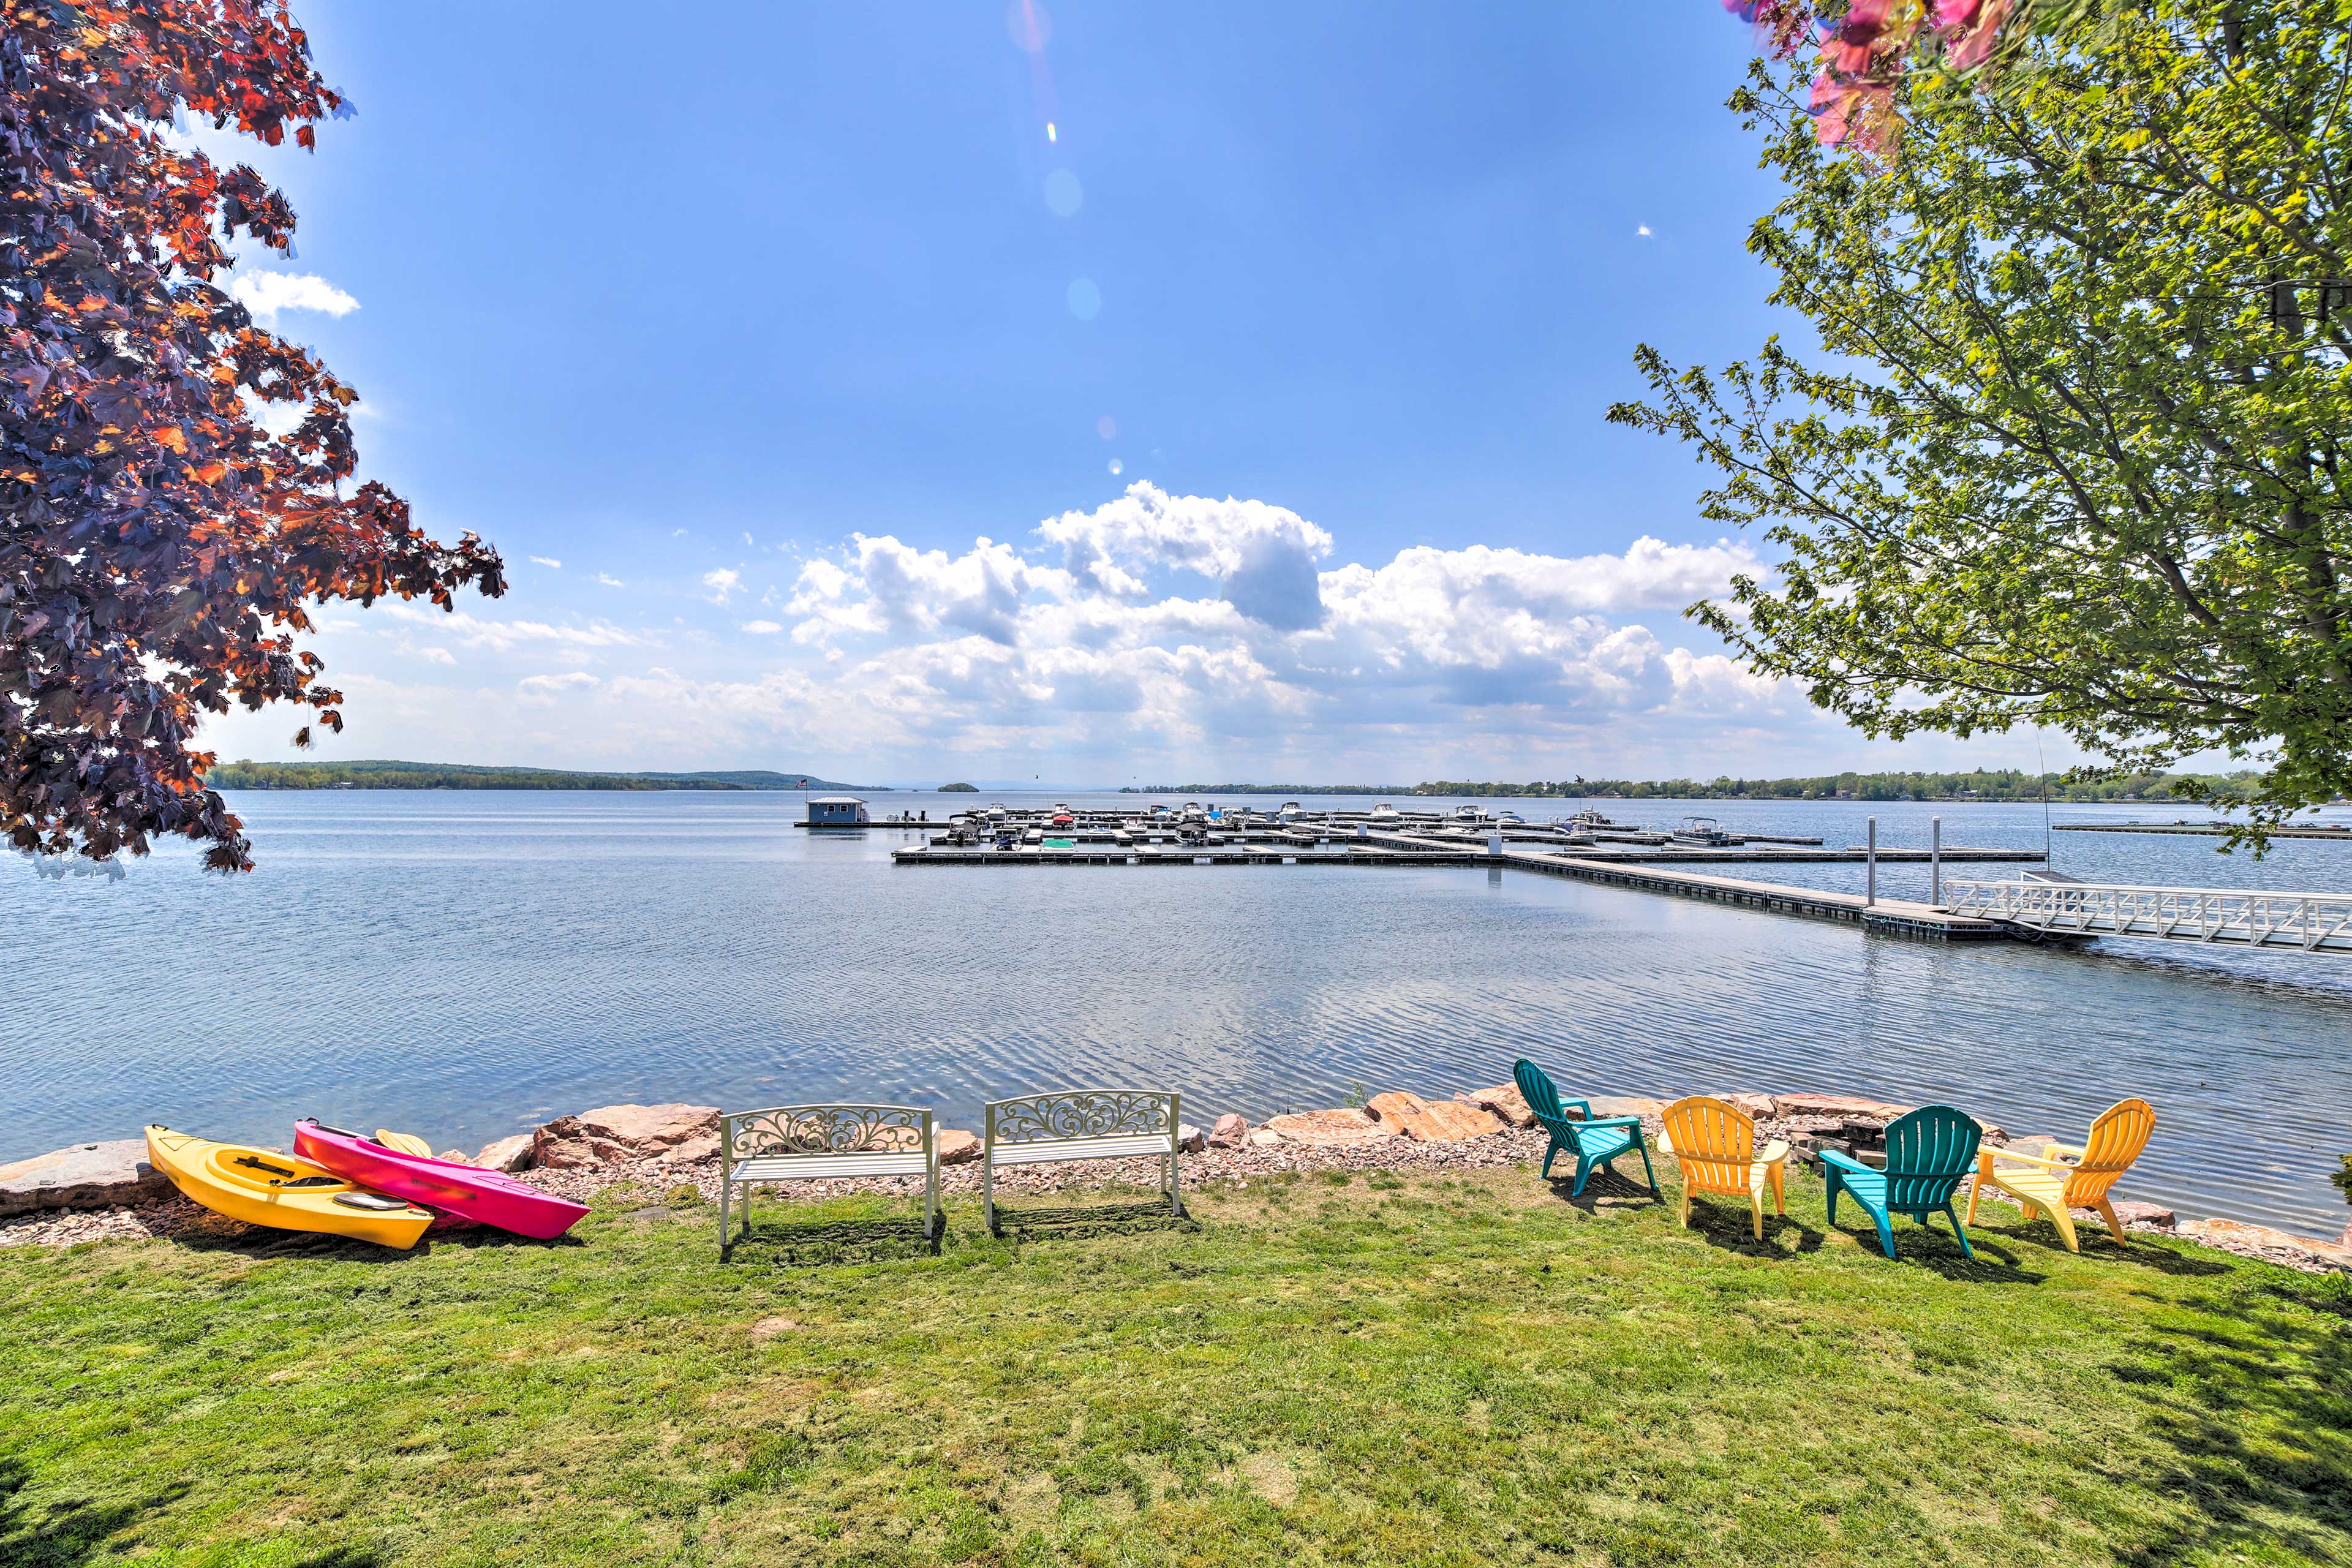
<point>958,789</point>
<point>465,775</point>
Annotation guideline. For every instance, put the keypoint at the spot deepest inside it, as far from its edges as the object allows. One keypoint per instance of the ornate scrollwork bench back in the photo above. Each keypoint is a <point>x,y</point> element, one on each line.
<point>802,1143</point>
<point>1081,1124</point>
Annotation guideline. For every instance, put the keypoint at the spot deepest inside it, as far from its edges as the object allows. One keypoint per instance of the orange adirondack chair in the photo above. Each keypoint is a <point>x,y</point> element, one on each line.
<point>2051,1185</point>
<point>1716,1145</point>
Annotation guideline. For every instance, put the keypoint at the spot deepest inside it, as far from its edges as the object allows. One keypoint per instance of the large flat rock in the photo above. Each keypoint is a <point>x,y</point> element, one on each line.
<point>1505,1100</point>
<point>1329,1128</point>
<point>2275,1246</point>
<point>1433,1121</point>
<point>1856,1107</point>
<point>112,1174</point>
<point>616,1134</point>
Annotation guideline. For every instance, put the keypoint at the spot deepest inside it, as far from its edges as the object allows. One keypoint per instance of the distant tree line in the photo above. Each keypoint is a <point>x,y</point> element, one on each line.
<point>457,776</point>
<point>1997,784</point>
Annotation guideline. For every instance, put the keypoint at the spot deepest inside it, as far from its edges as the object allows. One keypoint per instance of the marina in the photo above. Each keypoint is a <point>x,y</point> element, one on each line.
<point>1586,847</point>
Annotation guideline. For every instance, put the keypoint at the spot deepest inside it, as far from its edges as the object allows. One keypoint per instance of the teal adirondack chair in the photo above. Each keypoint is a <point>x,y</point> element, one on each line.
<point>1928,1152</point>
<point>1593,1142</point>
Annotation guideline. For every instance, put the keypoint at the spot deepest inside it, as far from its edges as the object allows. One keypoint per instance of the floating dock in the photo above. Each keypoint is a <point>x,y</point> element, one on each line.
<point>2200,829</point>
<point>1616,856</point>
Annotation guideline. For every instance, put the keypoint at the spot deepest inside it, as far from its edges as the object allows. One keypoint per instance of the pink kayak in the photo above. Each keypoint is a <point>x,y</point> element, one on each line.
<point>461,1192</point>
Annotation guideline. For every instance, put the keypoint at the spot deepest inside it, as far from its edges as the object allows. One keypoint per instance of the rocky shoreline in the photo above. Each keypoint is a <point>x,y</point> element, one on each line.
<point>106,1191</point>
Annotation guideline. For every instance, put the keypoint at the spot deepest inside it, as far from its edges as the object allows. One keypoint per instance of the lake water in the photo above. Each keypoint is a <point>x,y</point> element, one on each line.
<point>464,965</point>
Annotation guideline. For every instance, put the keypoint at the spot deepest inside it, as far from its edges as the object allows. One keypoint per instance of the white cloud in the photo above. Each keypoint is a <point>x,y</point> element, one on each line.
<point>547,688</point>
<point>1643,230</point>
<point>268,293</point>
<point>762,628</point>
<point>1263,556</point>
<point>610,582</point>
<point>437,656</point>
<point>545,561</point>
<point>501,636</point>
<point>721,583</point>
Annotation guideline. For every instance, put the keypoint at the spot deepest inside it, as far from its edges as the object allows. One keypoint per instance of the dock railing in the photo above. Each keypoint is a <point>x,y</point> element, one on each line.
<point>2220,917</point>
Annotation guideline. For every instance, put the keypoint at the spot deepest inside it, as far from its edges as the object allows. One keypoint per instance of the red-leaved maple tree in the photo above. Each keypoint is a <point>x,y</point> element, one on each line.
<point>158,545</point>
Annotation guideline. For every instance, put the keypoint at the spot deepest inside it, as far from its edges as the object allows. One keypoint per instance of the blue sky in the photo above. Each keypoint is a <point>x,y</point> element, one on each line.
<point>740,330</point>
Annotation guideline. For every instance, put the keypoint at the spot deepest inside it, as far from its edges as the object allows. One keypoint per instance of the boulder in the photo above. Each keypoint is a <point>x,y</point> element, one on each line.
<point>957,1148</point>
<point>1329,1128</point>
<point>1759,1106</point>
<point>1505,1100</point>
<point>1608,1105</point>
<point>1264,1138</point>
<point>1441,1122</point>
<point>1230,1130</point>
<point>508,1154</point>
<point>112,1175</point>
<point>1190,1139</point>
<point>615,1134</point>
<point>702,1146</point>
<point>2132,1213</point>
<point>1843,1106</point>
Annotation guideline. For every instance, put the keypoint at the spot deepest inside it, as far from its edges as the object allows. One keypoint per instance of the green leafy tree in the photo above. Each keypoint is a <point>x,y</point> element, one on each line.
<point>2073,452</point>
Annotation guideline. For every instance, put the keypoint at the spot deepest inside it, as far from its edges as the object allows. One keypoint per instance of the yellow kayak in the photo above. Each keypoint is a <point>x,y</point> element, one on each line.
<point>262,1186</point>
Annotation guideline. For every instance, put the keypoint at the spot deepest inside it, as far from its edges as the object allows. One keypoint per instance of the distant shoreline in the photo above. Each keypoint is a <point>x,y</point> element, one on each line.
<point>462,775</point>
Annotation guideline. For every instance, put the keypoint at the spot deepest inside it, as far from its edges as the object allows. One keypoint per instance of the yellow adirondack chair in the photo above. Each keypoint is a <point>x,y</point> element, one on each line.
<point>1716,1145</point>
<point>2044,1183</point>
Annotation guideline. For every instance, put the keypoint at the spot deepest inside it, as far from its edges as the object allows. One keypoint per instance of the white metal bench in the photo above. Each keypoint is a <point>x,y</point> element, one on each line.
<point>1080,1124</point>
<point>808,1143</point>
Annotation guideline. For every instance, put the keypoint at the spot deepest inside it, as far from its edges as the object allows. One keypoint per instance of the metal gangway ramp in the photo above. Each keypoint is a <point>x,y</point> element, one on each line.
<point>2216,917</point>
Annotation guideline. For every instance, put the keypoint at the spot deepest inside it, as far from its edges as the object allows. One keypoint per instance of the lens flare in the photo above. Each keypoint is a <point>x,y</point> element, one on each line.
<point>1106,426</point>
<point>1085,299</point>
<point>1116,467</point>
<point>1049,131</point>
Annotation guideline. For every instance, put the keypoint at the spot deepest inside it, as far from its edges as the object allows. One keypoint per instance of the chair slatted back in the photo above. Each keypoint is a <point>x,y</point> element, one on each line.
<point>1715,1141</point>
<point>1536,1089</point>
<point>1929,1150</point>
<point>2117,1138</point>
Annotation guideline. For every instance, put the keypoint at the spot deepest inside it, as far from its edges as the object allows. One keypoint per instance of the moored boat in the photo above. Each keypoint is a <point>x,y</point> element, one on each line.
<point>262,1186</point>
<point>391,1163</point>
<point>1701,830</point>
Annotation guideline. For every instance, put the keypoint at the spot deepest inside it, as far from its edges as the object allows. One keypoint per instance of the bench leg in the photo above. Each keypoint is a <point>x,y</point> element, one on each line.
<point>932,1206</point>
<point>725,1187</point>
<point>987,1191</point>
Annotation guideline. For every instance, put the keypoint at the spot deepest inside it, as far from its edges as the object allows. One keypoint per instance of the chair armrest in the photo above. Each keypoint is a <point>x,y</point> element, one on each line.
<point>2067,1148</point>
<point>2047,1164</point>
<point>1846,1162</point>
<point>1612,1122</point>
<point>1772,1154</point>
<point>1583,1105</point>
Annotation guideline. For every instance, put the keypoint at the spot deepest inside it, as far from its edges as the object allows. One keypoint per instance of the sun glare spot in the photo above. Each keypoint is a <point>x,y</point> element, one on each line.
<point>1106,426</point>
<point>1064,195</point>
<point>1116,467</point>
<point>1049,131</point>
<point>1085,299</point>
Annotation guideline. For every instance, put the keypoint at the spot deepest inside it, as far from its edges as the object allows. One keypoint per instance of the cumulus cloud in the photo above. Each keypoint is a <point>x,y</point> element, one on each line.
<point>721,583</point>
<point>545,561</point>
<point>266,294</point>
<point>609,581</point>
<point>764,628</point>
<point>1263,557</point>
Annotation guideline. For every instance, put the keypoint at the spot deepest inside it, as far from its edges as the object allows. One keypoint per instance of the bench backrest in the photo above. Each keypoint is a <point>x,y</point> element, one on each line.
<point>783,1132</point>
<point>1065,1114</point>
<point>1928,1151</point>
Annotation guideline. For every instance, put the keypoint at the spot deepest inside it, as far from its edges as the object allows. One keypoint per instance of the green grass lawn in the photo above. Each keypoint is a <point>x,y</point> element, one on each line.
<point>1380,1370</point>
